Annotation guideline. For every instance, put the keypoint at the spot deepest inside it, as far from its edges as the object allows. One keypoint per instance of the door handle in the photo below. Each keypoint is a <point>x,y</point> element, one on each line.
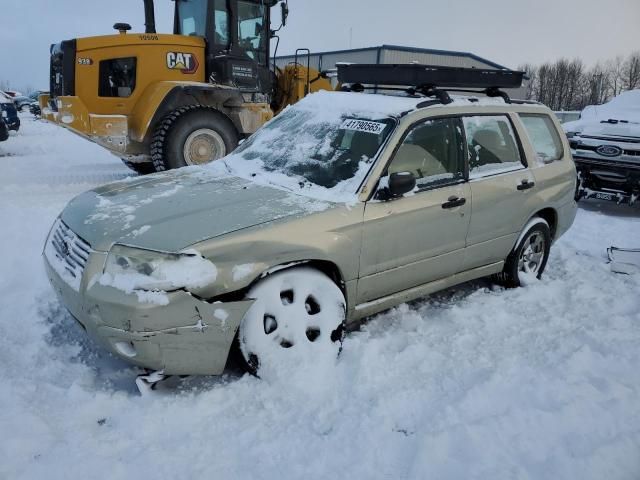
<point>526,185</point>
<point>453,202</point>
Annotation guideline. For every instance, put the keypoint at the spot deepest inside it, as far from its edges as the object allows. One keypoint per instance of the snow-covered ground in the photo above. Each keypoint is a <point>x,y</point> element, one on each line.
<point>541,382</point>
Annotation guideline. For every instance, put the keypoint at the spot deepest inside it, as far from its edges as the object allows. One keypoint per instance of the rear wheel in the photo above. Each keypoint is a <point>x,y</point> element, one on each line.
<point>192,135</point>
<point>529,259</point>
<point>298,315</point>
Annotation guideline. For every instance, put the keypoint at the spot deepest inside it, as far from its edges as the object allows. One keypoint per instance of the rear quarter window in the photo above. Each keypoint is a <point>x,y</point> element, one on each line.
<point>544,137</point>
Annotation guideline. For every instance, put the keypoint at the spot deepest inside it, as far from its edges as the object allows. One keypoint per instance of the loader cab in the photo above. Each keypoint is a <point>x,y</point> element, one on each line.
<point>237,33</point>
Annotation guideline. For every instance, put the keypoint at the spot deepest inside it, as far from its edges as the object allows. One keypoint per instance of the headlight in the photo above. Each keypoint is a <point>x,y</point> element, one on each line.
<point>571,134</point>
<point>130,269</point>
<point>4,114</point>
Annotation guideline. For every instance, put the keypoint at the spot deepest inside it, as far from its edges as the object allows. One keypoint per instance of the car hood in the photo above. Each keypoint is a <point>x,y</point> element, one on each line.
<point>173,210</point>
<point>600,128</point>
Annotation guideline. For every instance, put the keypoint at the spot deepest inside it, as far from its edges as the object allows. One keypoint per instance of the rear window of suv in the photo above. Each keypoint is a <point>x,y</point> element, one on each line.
<point>544,136</point>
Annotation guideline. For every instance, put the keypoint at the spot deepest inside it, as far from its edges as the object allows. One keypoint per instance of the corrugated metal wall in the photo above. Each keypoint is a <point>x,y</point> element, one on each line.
<point>398,56</point>
<point>327,61</point>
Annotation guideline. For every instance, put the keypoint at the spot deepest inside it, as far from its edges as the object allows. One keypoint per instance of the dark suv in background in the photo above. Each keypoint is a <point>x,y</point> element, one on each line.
<point>9,112</point>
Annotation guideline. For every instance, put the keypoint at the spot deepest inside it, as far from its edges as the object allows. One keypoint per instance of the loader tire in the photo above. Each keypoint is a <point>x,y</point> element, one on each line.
<point>141,168</point>
<point>192,135</point>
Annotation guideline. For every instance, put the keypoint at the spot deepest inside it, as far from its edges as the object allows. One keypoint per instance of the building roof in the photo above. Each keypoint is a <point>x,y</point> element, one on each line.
<point>430,51</point>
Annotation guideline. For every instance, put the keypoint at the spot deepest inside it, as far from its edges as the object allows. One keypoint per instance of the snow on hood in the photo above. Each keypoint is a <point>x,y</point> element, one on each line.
<point>175,210</point>
<point>625,109</point>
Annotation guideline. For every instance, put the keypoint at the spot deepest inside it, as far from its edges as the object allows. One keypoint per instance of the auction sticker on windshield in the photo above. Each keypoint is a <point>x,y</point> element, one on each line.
<point>363,126</point>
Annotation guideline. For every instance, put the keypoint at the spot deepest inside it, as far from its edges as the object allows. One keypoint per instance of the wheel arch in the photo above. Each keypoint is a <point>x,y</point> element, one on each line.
<point>550,215</point>
<point>162,98</point>
<point>329,268</point>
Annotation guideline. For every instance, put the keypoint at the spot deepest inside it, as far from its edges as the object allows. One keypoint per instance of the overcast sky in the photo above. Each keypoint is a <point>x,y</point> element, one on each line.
<point>509,32</point>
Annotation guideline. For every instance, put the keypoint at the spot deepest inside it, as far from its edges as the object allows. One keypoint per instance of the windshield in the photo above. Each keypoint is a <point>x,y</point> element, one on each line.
<point>192,15</point>
<point>304,148</point>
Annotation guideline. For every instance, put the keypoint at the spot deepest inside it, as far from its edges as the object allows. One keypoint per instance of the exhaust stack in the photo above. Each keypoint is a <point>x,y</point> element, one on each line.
<point>149,17</point>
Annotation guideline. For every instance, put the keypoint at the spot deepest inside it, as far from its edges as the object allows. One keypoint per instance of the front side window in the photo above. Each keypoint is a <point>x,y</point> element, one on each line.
<point>252,33</point>
<point>117,77</point>
<point>221,20</point>
<point>192,16</point>
<point>544,137</point>
<point>433,152</point>
<point>492,145</point>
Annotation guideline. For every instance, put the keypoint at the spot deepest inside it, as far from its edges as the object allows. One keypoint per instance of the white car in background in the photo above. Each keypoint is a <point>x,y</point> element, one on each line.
<point>605,144</point>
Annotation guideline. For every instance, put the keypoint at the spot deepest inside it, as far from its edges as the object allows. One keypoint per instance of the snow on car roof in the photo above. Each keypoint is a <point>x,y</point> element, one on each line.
<point>374,105</point>
<point>4,98</point>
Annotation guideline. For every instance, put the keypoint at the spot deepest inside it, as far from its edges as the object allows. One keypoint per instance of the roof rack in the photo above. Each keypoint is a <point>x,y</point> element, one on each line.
<point>429,80</point>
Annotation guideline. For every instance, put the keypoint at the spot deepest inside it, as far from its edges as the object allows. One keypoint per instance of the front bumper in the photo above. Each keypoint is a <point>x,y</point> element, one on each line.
<point>608,179</point>
<point>109,131</point>
<point>187,336</point>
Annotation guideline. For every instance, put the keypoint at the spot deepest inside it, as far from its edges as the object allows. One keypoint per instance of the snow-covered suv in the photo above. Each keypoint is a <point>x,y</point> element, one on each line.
<point>344,205</point>
<point>605,143</point>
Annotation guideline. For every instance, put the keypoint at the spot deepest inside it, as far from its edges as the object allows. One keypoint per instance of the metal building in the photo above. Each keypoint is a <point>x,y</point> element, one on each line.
<point>390,54</point>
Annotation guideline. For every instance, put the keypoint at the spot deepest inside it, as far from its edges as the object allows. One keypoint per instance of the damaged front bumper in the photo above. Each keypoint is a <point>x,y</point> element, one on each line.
<point>187,336</point>
<point>108,131</point>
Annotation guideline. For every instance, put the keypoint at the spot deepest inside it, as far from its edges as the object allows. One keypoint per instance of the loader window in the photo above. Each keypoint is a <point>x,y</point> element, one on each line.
<point>221,19</point>
<point>117,77</point>
<point>252,33</point>
<point>192,16</point>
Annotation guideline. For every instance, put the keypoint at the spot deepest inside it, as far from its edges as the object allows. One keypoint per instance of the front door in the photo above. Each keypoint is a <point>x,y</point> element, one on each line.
<point>420,237</point>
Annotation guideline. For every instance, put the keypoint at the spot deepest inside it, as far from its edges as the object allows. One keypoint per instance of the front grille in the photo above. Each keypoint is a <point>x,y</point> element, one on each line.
<point>67,253</point>
<point>612,139</point>
<point>593,148</point>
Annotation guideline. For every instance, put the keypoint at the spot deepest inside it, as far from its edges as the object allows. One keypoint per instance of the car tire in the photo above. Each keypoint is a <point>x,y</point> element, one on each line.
<point>192,135</point>
<point>529,257</point>
<point>141,168</point>
<point>297,313</point>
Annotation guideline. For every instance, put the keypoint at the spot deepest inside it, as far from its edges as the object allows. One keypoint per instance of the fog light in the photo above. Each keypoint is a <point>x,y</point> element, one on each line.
<point>126,349</point>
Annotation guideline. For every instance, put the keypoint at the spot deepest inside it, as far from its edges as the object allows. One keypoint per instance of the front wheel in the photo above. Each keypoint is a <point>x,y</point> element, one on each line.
<point>298,316</point>
<point>529,259</point>
<point>192,135</point>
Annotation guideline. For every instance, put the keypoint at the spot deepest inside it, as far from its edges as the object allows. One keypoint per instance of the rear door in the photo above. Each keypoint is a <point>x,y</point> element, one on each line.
<point>500,183</point>
<point>418,238</point>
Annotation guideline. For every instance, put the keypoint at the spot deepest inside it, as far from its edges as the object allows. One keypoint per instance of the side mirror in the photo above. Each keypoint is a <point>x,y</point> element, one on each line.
<point>401,183</point>
<point>397,184</point>
<point>284,10</point>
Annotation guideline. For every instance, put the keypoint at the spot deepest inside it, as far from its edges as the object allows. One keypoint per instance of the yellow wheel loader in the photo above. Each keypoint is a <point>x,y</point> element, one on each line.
<point>161,101</point>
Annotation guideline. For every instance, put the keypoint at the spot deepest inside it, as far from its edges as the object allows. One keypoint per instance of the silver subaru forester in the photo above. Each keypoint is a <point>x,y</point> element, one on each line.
<point>344,205</point>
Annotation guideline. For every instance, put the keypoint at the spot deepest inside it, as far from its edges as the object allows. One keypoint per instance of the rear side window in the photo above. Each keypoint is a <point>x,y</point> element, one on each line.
<point>492,145</point>
<point>544,137</point>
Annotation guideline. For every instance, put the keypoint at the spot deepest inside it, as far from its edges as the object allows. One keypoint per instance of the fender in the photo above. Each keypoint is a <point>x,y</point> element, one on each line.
<point>163,97</point>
